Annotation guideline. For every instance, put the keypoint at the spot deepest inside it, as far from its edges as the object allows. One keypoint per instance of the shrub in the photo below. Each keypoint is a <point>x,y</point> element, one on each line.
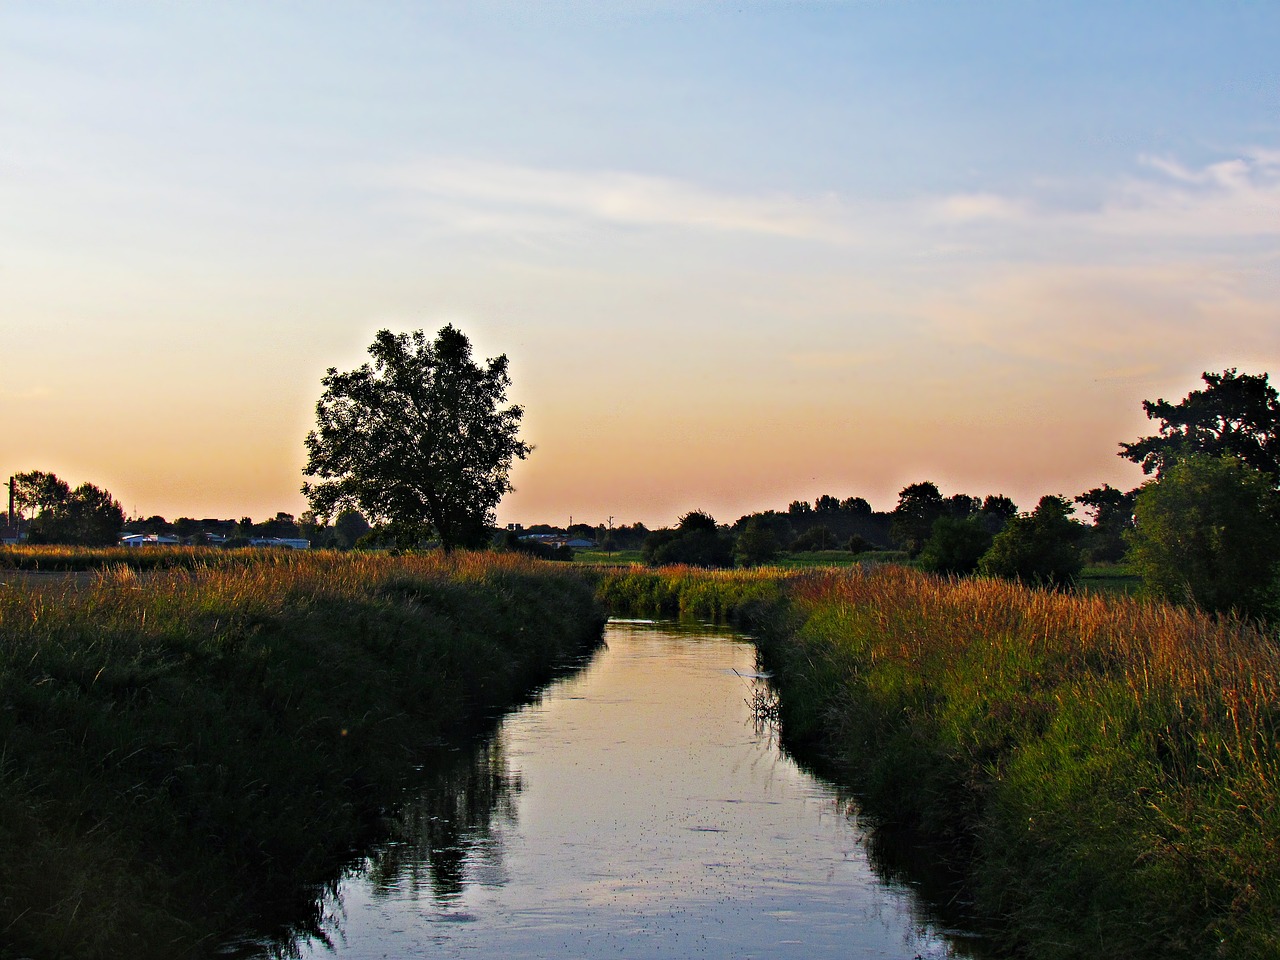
<point>1208,532</point>
<point>1037,548</point>
<point>955,546</point>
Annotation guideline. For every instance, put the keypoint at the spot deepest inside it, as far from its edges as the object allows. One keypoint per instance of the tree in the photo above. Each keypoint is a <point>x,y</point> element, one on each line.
<point>1038,548</point>
<point>919,505</point>
<point>756,543</point>
<point>1112,512</point>
<point>86,516</point>
<point>956,545</point>
<point>349,527</point>
<point>418,440</point>
<point>997,510</point>
<point>1235,415</point>
<point>39,492</point>
<point>1208,532</point>
<point>817,537</point>
<point>696,540</point>
<point>857,506</point>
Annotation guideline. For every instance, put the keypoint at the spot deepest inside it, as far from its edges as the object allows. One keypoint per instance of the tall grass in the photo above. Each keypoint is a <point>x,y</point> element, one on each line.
<point>64,558</point>
<point>693,592</point>
<point>1104,771</point>
<point>177,744</point>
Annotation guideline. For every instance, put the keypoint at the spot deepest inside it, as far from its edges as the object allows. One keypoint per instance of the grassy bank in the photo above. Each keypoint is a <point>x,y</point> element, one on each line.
<point>178,745</point>
<point>1103,772</point>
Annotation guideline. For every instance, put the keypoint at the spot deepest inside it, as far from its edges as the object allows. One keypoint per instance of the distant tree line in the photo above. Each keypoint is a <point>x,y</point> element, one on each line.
<point>1205,529</point>
<point>347,530</point>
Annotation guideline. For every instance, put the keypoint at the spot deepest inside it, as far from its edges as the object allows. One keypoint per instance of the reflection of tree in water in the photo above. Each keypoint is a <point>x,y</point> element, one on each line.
<point>449,823</point>
<point>439,838</point>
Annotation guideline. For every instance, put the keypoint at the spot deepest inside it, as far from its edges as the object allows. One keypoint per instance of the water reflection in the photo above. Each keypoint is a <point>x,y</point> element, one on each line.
<point>640,808</point>
<point>448,830</point>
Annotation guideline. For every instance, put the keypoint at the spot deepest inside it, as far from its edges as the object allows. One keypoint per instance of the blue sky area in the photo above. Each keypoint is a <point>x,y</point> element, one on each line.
<point>738,253</point>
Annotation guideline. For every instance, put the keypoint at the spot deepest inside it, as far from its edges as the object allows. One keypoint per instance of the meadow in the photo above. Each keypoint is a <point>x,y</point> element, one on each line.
<point>1099,772</point>
<point>184,744</point>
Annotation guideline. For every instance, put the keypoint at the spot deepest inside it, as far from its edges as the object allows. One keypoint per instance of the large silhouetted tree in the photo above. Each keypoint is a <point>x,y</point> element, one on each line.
<point>418,439</point>
<point>1237,414</point>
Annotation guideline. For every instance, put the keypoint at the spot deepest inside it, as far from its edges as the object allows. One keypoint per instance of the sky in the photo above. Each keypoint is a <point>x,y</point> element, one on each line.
<point>737,254</point>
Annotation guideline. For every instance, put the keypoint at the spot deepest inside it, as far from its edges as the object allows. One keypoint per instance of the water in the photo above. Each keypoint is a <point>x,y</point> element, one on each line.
<point>638,810</point>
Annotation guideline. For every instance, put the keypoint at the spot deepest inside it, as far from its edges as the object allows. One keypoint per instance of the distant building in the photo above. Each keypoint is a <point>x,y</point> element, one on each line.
<point>287,542</point>
<point>149,540</point>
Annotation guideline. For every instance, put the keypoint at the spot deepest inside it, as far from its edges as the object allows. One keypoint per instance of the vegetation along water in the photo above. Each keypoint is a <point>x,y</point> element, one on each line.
<point>1101,772</point>
<point>182,747</point>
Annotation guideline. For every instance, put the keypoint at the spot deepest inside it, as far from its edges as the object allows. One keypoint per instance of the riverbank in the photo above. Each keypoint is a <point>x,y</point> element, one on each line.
<point>1103,773</point>
<point>179,746</point>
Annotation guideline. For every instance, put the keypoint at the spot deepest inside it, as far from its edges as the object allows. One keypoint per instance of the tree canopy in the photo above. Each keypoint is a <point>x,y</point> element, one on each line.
<point>696,540</point>
<point>1038,547</point>
<point>1236,414</point>
<point>919,505</point>
<point>418,439</point>
<point>1209,533</point>
<point>86,516</point>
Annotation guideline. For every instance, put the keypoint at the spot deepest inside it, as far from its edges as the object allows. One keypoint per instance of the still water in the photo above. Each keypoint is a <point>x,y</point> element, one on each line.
<point>637,810</point>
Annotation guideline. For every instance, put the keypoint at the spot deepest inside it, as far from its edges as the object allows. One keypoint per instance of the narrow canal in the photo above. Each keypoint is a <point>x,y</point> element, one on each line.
<point>636,810</point>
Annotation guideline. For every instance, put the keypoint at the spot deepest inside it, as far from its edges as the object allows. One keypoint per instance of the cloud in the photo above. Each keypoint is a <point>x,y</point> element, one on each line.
<point>486,195</point>
<point>1111,319</point>
<point>973,207</point>
<point>1163,202</point>
<point>1232,198</point>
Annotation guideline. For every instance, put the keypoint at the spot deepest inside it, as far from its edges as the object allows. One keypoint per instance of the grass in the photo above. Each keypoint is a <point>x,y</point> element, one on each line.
<point>1110,578</point>
<point>836,558</point>
<point>1104,772</point>
<point>179,744</point>
<point>61,559</point>
<point>607,557</point>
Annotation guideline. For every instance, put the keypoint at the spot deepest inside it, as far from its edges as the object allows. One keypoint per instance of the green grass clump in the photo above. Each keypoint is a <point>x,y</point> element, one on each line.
<point>693,593</point>
<point>178,746</point>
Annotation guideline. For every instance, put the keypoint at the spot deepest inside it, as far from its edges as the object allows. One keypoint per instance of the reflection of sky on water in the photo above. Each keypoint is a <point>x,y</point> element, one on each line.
<point>635,811</point>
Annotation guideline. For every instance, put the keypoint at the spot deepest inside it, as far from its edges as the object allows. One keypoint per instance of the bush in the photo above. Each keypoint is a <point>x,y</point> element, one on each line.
<point>1208,533</point>
<point>756,544</point>
<point>955,546</point>
<point>1037,548</point>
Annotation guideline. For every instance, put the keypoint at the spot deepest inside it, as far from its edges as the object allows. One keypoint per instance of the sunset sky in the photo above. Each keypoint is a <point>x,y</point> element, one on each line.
<point>737,253</point>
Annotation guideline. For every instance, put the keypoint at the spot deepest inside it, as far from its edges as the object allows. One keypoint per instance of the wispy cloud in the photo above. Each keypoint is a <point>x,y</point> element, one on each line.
<point>484,195</point>
<point>978,207</point>
<point>1163,200</point>
<point>1236,197</point>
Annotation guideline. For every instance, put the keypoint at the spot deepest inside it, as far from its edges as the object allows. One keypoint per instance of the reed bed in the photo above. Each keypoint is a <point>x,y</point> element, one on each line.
<point>1102,771</point>
<point>64,558</point>
<point>179,744</point>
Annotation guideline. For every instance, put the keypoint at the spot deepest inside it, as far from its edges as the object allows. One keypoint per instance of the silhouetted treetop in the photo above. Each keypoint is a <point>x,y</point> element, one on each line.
<point>1237,414</point>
